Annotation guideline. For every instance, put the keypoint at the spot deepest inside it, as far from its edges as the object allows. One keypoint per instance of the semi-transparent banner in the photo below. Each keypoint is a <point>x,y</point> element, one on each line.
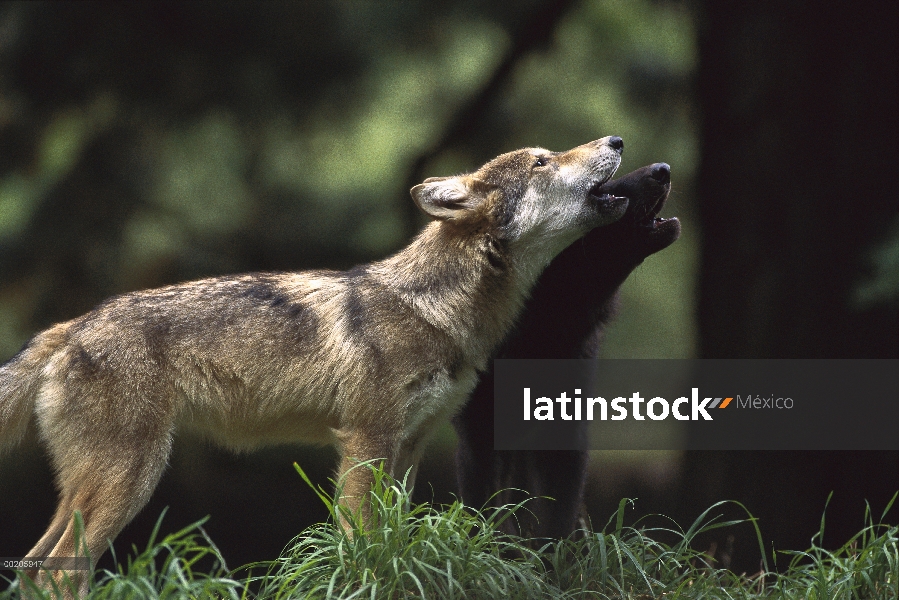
<point>624,404</point>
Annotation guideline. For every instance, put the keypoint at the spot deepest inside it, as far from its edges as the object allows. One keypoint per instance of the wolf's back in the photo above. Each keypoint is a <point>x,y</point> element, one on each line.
<point>19,381</point>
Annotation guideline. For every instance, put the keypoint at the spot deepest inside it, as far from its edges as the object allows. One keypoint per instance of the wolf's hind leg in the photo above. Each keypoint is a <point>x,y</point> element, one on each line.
<point>108,485</point>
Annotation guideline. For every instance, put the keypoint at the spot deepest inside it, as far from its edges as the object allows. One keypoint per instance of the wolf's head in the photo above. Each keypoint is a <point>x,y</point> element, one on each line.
<point>535,200</point>
<point>640,232</point>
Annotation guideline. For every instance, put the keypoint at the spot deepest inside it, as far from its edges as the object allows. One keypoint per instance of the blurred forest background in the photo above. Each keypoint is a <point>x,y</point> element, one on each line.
<point>148,143</point>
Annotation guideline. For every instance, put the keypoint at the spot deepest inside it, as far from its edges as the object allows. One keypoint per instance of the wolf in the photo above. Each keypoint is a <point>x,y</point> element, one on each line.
<point>369,360</point>
<point>575,298</point>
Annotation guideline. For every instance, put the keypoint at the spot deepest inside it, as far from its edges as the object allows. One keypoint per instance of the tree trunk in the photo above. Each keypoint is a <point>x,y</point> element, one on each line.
<point>796,183</point>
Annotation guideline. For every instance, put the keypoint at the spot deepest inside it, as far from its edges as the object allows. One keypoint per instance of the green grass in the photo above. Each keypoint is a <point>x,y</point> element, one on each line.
<point>423,551</point>
<point>165,569</point>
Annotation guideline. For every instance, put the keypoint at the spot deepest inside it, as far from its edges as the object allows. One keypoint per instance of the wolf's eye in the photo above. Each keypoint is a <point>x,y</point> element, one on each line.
<point>540,162</point>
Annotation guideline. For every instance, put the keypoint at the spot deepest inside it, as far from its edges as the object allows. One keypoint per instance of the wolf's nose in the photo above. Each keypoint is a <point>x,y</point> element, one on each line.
<point>661,172</point>
<point>616,143</point>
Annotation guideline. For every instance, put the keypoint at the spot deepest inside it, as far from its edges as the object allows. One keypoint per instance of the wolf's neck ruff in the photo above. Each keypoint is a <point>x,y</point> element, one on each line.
<point>473,295</point>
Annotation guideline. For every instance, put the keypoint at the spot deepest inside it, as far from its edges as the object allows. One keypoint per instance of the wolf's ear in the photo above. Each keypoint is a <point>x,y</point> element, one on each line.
<point>449,197</point>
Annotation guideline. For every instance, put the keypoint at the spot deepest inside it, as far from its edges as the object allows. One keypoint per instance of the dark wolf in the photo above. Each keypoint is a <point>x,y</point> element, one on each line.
<point>564,318</point>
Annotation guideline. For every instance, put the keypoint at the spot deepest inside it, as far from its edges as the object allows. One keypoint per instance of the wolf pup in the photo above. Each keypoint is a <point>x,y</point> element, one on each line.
<point>557,324</point>
<point>368,360</point>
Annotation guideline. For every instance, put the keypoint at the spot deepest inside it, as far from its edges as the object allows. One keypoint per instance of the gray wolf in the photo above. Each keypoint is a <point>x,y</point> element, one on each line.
<point>368,360</point>
<point>574,299</point>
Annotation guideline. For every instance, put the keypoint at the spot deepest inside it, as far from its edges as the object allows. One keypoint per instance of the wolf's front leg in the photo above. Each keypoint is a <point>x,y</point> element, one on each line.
<point>355,479</point>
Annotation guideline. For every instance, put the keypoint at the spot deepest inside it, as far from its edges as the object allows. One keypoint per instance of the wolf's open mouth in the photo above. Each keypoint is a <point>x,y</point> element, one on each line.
<point>647,191</point>
<point>606,197</point>
<point>597,194</point>
<point>647,215</point>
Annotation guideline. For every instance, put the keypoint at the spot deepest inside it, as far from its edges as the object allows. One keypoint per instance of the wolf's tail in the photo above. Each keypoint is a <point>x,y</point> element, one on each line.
<point>19,381</point>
